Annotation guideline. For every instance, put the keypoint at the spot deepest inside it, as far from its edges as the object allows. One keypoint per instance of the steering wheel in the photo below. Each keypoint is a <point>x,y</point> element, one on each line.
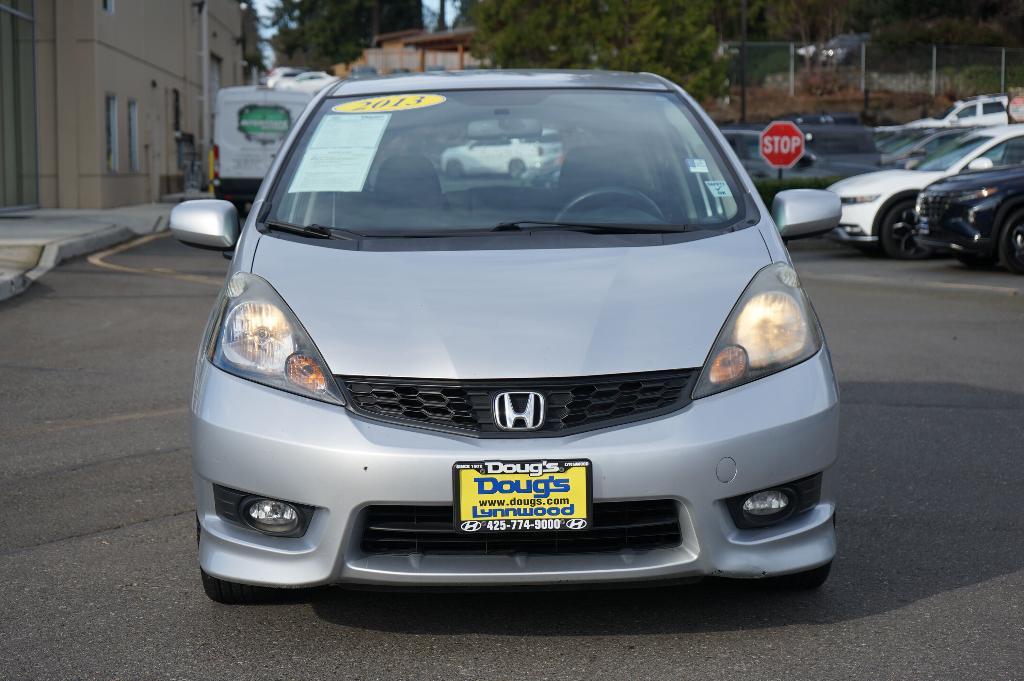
<point>635,197</point>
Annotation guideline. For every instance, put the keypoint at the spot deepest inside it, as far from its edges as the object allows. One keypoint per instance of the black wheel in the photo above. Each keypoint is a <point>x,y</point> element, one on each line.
<point>801,581</point>
<point>896,233</point>
<point>232,593</point>
<point>975,261</point>
<point>516,168</point>
<point>453,169</point>
<point>1011,243</point>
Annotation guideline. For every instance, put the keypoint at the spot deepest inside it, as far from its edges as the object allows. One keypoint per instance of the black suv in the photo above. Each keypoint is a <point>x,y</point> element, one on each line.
<point>979,217</point>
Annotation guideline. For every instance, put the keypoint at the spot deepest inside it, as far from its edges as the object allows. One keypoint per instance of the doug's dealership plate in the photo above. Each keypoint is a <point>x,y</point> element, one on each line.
<point>518,496</point>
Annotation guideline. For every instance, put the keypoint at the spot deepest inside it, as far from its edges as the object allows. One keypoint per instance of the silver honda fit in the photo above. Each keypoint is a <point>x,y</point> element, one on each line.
<point>510,328</point>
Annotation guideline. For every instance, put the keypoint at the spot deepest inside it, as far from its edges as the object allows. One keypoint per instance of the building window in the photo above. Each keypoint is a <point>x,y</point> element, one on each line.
<point>107,5</point>
<point>133,135</point>
<point>111,119</point>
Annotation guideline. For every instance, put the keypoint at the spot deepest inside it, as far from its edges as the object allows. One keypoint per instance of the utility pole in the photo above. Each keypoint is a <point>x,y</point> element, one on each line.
<point>743,61</point>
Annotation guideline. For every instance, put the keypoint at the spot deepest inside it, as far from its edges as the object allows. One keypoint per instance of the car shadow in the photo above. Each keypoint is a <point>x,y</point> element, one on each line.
<point>927,477</point>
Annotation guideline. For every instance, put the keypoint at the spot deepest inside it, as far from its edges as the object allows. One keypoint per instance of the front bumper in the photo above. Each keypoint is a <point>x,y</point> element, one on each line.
<point>264,441</point>
<point>857,222</point>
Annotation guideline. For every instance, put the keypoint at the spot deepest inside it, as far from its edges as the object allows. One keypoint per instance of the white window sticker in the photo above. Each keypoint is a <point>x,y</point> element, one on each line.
<point>339,156</point>
<point>697,165</point>
<point>718,188</point>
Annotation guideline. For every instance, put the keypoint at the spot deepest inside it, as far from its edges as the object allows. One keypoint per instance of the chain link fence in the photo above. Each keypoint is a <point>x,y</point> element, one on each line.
<point>953,71</point>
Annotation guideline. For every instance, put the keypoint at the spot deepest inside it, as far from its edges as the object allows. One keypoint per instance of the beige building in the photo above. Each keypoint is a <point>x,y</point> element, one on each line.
<point>118,97</point>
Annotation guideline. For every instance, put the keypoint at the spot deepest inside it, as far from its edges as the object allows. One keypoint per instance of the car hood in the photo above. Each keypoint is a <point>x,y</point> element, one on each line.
<point>979,179</point>
<point>885,182</point>
<point>530,313</point>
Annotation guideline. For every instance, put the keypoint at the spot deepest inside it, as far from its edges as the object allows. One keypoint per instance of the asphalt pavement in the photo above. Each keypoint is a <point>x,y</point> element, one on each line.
<point>97,530</point>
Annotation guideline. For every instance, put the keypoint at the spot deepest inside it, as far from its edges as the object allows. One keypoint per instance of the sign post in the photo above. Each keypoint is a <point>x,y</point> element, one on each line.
<point>782,145</point>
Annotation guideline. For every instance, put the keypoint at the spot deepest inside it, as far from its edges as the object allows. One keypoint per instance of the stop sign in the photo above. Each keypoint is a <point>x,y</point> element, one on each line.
<point>782,144</point>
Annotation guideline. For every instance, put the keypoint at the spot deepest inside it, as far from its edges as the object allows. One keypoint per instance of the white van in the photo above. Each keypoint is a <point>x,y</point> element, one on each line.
<point>248,129</point>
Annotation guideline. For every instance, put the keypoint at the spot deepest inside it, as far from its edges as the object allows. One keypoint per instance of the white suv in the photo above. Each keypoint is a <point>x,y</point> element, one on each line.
<point>878,207</point>
<point>982,110</point>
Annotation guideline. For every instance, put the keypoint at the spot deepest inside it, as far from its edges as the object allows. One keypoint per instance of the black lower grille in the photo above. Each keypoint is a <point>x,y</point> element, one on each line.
<point>620,525</point>
<point>932,206</point>
<point>572,405</point>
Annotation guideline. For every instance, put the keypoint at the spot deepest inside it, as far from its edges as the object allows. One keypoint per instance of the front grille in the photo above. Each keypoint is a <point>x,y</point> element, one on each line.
<point>572,404</point>
<point>932,206</point>
<point>619,525</point>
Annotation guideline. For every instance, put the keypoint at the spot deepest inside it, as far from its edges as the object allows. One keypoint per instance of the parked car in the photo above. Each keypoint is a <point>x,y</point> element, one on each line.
<point>746,144</point>
<point>250,124</point>
<point>978,217</point>
<point>490,153</point>
<point>976,111</point>
<point>899,151</point>
<point>310,81</point>
<point>408,382</point>
<point>831,150</point>
<point>878,207</point>
<point>280,73</point>
<point>362,71</point>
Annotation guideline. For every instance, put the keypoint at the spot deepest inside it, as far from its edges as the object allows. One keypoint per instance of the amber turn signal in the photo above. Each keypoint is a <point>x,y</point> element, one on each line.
<point>304,372</point>
<point>728,365</point>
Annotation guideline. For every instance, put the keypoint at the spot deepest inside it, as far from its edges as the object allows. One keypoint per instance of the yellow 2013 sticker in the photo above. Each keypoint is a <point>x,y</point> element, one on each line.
<point>389,103</point>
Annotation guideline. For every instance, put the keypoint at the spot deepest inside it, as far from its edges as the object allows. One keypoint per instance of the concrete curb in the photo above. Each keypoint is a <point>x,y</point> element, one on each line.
<point>56,252</point>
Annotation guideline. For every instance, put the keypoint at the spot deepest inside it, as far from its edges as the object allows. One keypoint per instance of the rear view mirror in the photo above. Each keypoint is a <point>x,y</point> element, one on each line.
<point>980,163</point>
<point>504,127</point>
<point>206,223</point>
<point>806,212</point>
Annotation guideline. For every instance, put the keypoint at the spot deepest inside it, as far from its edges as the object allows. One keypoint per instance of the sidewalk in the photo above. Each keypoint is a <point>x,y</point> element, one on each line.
<point>33,242</point>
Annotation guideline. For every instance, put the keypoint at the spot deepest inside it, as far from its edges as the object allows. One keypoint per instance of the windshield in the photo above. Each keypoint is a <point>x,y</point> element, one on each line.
<point>947,112</point>
<point>470,160</point>
<point>949,153</point>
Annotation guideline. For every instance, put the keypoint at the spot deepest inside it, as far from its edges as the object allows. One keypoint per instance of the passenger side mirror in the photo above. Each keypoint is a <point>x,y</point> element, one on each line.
<point>981,163</point>
<point>801,213</point>
<point>206,223</point>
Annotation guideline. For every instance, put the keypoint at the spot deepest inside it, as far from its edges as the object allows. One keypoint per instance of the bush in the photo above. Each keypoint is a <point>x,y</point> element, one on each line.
<point>769,188</point>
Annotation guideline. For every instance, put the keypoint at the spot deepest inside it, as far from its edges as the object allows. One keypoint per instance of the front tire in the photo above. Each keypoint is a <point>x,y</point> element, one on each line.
<point>516,168</point>
<point>896,235</point>
<point>454,169</point>
<point>233,593</point>
<point>1011,243</point>
<point>801,581</point>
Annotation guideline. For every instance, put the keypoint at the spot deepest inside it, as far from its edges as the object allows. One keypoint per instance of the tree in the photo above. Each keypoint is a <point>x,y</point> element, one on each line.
<point>331,31</point>
<point>674,38</point>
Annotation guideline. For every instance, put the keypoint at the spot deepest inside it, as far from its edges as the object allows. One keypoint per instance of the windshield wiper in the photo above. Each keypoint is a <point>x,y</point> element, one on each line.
<point>611,228</point>
<point>314,230</point>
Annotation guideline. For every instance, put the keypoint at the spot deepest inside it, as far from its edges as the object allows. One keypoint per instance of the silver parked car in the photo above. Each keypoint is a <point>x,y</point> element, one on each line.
<point>417,380</point>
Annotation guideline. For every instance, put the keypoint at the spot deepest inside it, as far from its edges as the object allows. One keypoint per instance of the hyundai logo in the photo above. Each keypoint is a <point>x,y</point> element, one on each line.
<point>470,526</point>
<point>519,411</point>
<point>576,524</point>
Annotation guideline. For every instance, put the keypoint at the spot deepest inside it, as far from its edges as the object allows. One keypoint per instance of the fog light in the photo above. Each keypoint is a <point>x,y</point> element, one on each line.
<point>270,515</point>
<point>768,502</point>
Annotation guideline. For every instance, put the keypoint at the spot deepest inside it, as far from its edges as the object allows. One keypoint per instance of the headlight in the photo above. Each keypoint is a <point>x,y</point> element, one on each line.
<point>771,328</point>
<point>850,200</point>
<point>258,338</point>
<point>976,194</point>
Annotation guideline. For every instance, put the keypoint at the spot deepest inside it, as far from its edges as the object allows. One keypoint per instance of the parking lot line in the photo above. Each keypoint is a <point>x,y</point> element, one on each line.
<point>99,260</point>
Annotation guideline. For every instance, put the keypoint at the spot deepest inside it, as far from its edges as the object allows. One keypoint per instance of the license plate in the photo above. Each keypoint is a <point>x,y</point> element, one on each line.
<point>521,496</point>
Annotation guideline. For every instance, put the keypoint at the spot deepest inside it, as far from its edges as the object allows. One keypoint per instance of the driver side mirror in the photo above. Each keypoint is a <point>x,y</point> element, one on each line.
<point>801,213</point>
<point>981,163</point>
<point>206,223</point>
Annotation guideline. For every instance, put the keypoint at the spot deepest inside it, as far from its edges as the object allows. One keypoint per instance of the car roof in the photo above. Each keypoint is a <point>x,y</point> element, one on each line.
<point>481,79</point>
